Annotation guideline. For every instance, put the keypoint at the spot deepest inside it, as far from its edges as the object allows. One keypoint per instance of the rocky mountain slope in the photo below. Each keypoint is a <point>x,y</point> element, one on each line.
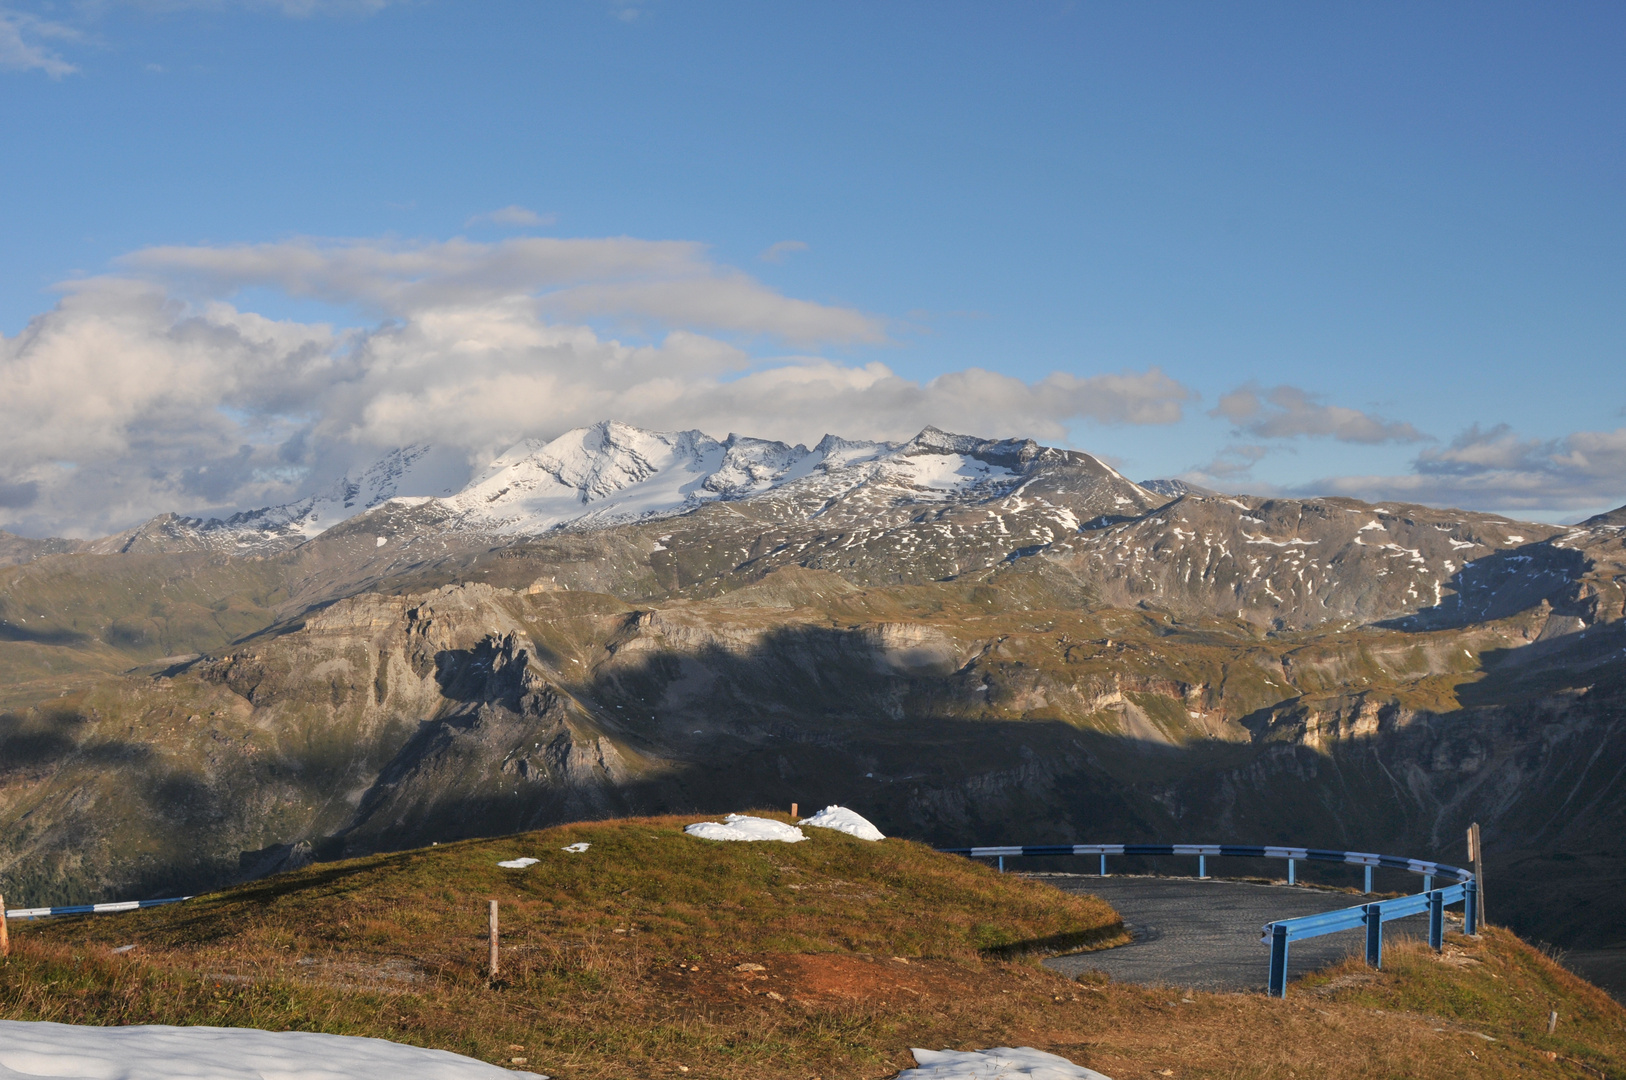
<point>971,640</point>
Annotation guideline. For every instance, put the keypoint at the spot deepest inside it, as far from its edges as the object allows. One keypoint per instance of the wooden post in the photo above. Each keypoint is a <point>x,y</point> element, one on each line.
<point>1552,1021</point>
<point>494,939</point>
<point>1477,855</point>
<point>793,810</point>
<point>5,937</point>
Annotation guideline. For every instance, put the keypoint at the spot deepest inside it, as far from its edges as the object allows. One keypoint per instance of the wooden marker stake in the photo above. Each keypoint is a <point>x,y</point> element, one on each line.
<point>494,939</point>
<point>5,937</point>
<point>793,810</point>
<point>1477,854</point>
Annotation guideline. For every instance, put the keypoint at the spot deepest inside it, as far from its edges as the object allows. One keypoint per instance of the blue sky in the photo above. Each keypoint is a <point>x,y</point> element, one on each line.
<point>1377,250</point>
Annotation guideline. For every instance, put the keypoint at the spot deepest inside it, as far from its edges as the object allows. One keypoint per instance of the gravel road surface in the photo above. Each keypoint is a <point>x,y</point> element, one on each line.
<point>1204,934</point>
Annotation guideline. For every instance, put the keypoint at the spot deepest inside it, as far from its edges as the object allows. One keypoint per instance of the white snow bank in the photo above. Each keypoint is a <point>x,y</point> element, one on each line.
<point>844,820</point>
<point>519,864</point>
<point>71,1052</point>
<point>742,827</point>
<point>1000,1063</point>
<point>577,848</point>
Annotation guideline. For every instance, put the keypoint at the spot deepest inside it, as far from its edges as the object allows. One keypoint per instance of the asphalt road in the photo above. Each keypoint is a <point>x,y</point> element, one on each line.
<point>1204,934</point>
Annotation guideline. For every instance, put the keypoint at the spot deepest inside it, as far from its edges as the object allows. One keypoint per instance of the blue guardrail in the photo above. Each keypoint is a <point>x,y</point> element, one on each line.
<point>1279,935</point>
<point>89,909</point>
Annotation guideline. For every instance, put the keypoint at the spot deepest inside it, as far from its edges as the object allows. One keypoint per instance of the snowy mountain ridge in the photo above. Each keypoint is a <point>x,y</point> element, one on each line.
<point>405,471</point>
<point>612,473</point>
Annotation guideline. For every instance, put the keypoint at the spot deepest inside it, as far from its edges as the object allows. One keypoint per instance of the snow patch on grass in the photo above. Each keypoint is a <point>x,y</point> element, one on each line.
<point>846,821</point>
<point>745,827</point>
<point>73,1052</point>
<point>1003,1062</point>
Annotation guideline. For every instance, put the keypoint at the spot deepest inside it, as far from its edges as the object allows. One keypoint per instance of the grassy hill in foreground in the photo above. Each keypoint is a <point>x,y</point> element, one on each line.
<point>657,955</point>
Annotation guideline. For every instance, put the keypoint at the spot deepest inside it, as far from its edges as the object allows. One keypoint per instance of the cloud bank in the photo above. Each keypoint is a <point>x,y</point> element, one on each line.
<point>150,390</point>
<point>1496,469</point>
<point>1482,469</point>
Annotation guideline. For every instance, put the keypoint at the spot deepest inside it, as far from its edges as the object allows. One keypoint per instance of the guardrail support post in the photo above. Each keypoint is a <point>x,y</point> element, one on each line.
<point>1470,908</point>
<point>1202,866</point>
<point>1002,864</point>
<point>1103,864</point>
<point>1278,961</point>
<point>1374,933</point>
<point>1292,865</point>
<point>1428,882</point>
<point>1436,921</point>
<point>1369,879</point>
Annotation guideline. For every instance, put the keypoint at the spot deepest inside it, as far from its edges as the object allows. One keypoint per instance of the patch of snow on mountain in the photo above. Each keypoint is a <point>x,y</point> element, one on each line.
<point>755,465</point>
<point>613,472</point>
<point>945,472</point>
<point>837,453</point>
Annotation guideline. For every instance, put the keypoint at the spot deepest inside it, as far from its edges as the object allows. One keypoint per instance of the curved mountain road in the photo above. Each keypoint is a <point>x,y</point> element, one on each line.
<point>1204,933</point>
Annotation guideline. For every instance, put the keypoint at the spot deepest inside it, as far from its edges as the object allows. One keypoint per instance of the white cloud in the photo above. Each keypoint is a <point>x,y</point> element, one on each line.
<point>1286,412</point>
<point>728,302</point>
<point>150,391</point>
<point>512,215</point>
<point>21,50</point>
<point>777,252</point>
<point>659,281</point>
<point>1495,469</point>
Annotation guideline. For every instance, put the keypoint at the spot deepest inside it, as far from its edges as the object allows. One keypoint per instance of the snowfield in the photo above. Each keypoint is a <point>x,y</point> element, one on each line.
<point>744,827</point>
<point>70,1052</point>
<point>846,821</point>
<point>1000,1063</point>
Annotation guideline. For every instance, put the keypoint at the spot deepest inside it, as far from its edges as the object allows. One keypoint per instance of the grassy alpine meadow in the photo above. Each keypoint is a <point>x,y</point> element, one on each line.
<point>654,954</point>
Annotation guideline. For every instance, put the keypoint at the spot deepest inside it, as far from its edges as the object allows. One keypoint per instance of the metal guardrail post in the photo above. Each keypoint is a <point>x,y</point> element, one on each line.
<point>1436,920</point>
<point>1374,933</point>
<point>1002,864</point>
<point>1202,866</point>
<point>1369,880</point>
<point>1470,909</point>
<point>1428,882</point>
<point>1292,866</point>
<point>1103,864</point>
<point>1278,961</point>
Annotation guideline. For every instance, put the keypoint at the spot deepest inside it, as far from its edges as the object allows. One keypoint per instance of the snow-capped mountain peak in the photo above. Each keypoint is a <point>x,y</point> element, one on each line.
<point>610,473</point>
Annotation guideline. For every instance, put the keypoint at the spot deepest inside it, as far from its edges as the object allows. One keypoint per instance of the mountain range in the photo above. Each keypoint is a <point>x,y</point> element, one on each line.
<point>612,473</point>
<point>970,640</point>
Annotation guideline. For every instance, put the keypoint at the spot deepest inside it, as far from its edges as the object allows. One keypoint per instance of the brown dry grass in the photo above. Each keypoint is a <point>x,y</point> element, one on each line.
<point>882,947</point>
